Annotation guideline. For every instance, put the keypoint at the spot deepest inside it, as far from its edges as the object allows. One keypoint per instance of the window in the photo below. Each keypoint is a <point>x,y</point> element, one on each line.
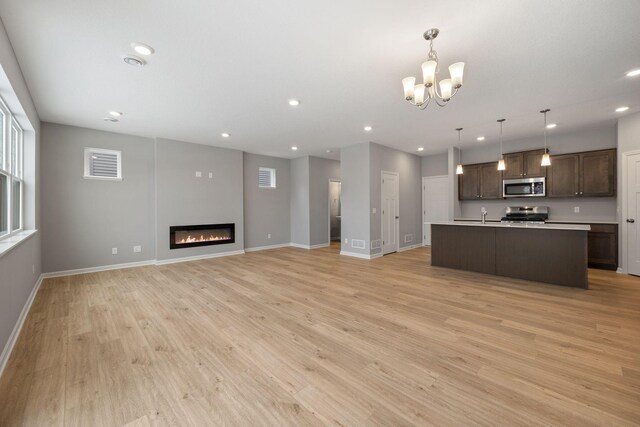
<point>11,179</point>
<point>267,178</point>
<point>102,164</point>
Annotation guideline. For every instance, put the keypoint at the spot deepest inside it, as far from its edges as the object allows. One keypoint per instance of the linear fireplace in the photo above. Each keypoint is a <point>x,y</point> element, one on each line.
<point>189,236</point>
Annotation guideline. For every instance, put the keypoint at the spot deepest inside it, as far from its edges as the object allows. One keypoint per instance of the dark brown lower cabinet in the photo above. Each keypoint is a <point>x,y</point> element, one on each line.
<point>603,246</point>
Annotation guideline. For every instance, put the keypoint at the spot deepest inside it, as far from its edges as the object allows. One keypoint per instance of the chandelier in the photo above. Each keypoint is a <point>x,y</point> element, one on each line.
<point>421,95</point>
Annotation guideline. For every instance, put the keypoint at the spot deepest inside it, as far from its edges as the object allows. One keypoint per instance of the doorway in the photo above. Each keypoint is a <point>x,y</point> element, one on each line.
<point>630,211</point>
<point>435,203</point>
<point>390,212</point>
<point>335,212</point>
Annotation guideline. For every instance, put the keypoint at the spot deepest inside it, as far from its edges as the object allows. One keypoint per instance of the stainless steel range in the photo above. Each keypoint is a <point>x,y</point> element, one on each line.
<point>526,214</point>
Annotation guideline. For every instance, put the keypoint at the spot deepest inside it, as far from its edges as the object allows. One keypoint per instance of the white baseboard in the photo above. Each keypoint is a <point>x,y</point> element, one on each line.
<point>298,245</point>
<point>265,248</point>
<point>198,257</point>
<point>620,270</point>
<point>97,269</point>
<point>361,256</point>
<point>137,264</point>
<point>321,245</point>
<point>408,248</point>
<point>13,338</point>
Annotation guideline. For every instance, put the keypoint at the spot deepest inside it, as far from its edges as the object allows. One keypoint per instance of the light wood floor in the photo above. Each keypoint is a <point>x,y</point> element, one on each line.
<point>296,337</point>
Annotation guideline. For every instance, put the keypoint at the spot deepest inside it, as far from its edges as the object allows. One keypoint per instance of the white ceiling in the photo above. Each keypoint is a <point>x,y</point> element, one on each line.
<point>231,66</point>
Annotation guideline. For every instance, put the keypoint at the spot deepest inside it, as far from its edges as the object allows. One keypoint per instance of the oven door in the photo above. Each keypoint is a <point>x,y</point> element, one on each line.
<point>530,187</point>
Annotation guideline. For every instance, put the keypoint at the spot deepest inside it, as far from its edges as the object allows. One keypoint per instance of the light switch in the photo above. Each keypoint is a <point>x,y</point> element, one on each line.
<point>210,175</point>
<point>198,174</point>
<point>576,209</point>
<point>374,210</point>
<point>114,251</point>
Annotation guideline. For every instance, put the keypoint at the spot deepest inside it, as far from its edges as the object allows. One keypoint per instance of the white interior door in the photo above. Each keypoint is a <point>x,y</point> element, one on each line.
<point>390,215</point>
<point>435,204</point>
<point>633,209</point>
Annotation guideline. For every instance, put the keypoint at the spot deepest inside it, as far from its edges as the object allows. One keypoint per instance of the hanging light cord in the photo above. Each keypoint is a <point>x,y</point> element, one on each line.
<point>459,150</point>
<point>500,121</point>
<point>545,129</point>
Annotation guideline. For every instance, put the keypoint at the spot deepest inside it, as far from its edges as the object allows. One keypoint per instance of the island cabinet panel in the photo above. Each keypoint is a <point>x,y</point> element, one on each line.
<point>603,246</point>
<point>469,183</point>
<point>464,248</point>
<point>554,255</point>
<point>563,176</point>
<point>490,181</point>
<point>532,161</point>
<point>514,166</point>
<point>598,173</point>
<point>551,256</point>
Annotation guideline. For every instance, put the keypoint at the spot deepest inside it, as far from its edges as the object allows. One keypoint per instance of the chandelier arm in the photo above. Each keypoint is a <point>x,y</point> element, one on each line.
<point>424,104</point>
<point>444,104</point>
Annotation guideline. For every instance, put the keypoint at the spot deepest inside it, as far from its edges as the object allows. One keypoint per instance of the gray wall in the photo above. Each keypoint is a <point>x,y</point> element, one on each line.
<point>409,169</point>
<point>628,140</point>
<point>85,218</point>
<point>320,172</point>
<point>184,199</point>
<point>591,209</point>
<point>435,165</point>
<point>300,230</point>
<point>354,165</point>
<point>266,210</point>
<point>21,266</point>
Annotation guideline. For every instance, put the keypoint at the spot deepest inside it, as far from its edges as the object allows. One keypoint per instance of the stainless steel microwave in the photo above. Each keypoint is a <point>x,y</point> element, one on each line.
<point>527,187</point>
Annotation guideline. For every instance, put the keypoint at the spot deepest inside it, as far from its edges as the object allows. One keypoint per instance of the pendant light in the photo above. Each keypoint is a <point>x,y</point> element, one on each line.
<point>501,165</point>
<point>546,160</point>
<point>459,167</point>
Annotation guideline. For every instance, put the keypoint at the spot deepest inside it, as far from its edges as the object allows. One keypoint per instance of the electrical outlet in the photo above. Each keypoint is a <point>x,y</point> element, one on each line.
<point>374,210</point>
<point>210,175</point>
<point>576,209</point>
<point>346,240</point>
<point>137,249</point>
<point>114,251</point>
<point>269,236</point>
<point>198,174</point>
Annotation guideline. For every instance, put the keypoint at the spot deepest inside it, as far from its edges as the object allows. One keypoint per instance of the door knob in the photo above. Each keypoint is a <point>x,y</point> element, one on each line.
<point>631,220</point>
<point>397,217</point>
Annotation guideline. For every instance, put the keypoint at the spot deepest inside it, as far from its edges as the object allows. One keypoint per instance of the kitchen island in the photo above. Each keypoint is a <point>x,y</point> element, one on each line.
<point>550,253</point>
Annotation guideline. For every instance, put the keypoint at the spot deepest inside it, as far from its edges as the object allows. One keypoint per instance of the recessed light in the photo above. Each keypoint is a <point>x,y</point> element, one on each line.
<point>622,109</point>
<point>110,119</point>
<point>225,135</point>
<point>480,138</point>
<point>551,125</point>
<point>294,148</point>
<point>134,60</point>
<point>294,102</point>
<point>634,73</point>
<point>115,113</point>
<point>420,148</point>
<point>367,128</point>
<point>143,49</point>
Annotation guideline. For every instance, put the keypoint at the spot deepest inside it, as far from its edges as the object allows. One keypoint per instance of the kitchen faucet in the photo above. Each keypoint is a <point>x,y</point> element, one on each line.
<point>484,216</point>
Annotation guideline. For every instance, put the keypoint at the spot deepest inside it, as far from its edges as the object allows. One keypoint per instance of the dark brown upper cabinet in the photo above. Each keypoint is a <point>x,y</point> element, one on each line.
<point>563,176</point>
<point>490,181</point>
<point>480,181</point>
<point>524,165</point>
<point>588,174</point>
<point>469,183</point>
<point>598,173</point>
<point>514,166</point>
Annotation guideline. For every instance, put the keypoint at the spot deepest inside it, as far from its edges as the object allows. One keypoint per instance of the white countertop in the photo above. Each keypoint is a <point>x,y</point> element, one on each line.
<point>576,227</point>
<point>549,221</point>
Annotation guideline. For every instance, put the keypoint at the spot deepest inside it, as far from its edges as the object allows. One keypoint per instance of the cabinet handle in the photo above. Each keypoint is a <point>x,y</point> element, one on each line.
<point>576,192</point>
<point>631,220</point>
<point>581,192</point>
<point>525,174</point>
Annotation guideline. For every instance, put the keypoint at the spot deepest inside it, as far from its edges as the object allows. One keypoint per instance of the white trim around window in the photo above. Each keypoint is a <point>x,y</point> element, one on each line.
<point>11,174</point>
